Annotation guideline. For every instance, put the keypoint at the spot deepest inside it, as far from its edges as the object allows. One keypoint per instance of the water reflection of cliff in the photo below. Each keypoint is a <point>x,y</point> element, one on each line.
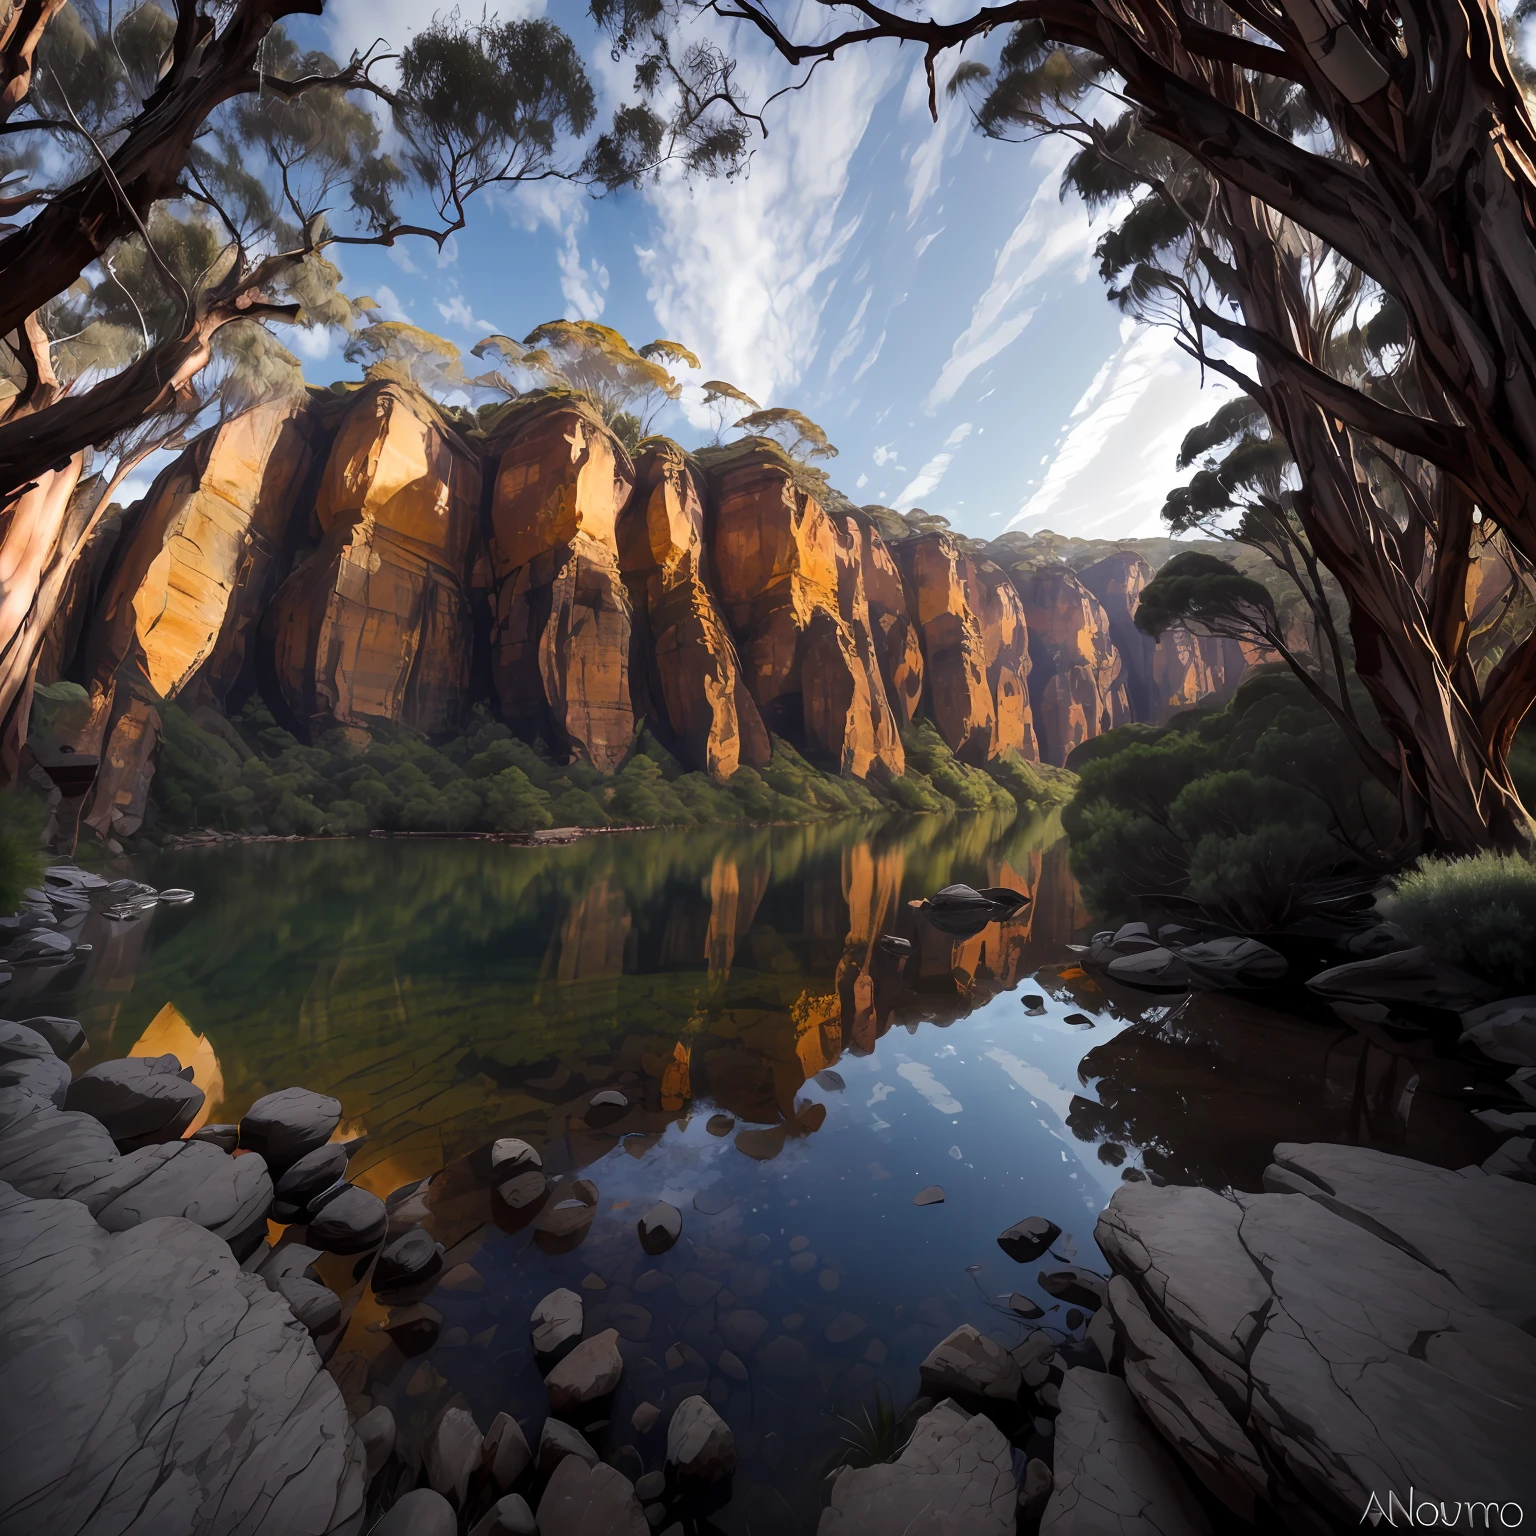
<point>450,992</point>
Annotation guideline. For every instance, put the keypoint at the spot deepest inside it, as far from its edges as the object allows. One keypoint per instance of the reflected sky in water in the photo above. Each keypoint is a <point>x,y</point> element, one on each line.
<point>449,992</point>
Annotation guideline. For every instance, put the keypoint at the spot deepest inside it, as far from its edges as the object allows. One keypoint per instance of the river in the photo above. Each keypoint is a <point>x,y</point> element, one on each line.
<point>793,1085</point>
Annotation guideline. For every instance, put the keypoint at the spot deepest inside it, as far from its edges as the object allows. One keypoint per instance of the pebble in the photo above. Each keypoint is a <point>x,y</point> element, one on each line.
<point>1026,1240</point>
<point>845,1326</point>
<point>504,1452</point>
<point>694,1289</point>
<point>933,1195</point>
<point>643,1419</point>
<point>803,1262</point>
<point>720,1125</point>
<point>511,1155</point>
<point>283,1126</point>
<point>730,1365</point>
<point>556,1321</point>
<point>660,1227</point>
<point>591,1371</point>
<point>421,1512</point>
<point>828,1280</point>
<point>350,1222</point>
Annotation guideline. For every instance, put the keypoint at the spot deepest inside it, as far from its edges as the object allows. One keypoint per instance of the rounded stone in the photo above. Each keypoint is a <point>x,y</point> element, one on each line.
<point>700,1443</point>
<point>317,1306</point>
<point>556,1321</point>
<point>142,1101</point>
<point>660,1227</point>
<point>591,1371</point>
<point>421,1512</point>
<point>1026,1240</point>
<point>283,1126</point>
<point>510,1155</point>
<point>65,1036</point>
<point>312,1174</point>
<point>406,1260</point>
<point>350,1222</point>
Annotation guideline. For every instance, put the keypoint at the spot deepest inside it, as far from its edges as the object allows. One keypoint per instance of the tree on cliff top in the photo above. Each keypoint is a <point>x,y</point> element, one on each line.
<point>793,430</point>
<point>626,385</point>
<point>1293,170</point>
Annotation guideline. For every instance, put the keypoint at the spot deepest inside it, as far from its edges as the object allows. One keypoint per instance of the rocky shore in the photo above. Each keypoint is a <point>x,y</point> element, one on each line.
<point>175,1302</point>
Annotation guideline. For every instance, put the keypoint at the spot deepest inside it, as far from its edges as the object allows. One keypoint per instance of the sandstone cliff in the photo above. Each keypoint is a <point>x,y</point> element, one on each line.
<point>1075,679</point>
<point>688,665</point>
<point>560,628</point>
<point>792,584</point>
<point>375,624</point>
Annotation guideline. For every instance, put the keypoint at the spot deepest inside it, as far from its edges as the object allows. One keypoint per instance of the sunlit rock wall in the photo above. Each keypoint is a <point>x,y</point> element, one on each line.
<point>792,584</point>
<point>375,625</point>
<point>560,628</point>
<point>687,663</point>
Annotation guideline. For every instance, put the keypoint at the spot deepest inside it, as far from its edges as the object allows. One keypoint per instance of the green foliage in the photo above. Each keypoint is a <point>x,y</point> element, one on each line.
<point>1478,913</point>
<point>1034,786</point>
<point>1199,590</point>
<point>934,770</point>
<point>1233,812</point>
<point>23,816</point>
<point>793,430</point>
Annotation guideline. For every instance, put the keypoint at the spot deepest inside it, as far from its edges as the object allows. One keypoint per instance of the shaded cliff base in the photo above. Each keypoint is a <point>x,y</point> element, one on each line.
<point>247,774</point>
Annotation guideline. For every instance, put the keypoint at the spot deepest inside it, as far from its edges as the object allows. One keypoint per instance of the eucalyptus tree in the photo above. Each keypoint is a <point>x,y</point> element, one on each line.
<point>1310,166</point>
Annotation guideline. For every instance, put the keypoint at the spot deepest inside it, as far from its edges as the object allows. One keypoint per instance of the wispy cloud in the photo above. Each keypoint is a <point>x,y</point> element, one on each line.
<point>1114,463</point>
<point>563,208</point>
<point>456,311</point>
<point>1052,234</point>
<point>389,304</point>
<point>853,337</point>
<point>924,482</point>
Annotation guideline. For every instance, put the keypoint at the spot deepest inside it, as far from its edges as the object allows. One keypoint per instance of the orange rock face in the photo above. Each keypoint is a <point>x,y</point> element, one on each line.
<point>1005,643</point>
<point>897,646</point>
<point>687,657</point>
<point>793,588</point>
<point>375,624</point>
<point>560,631</point>
<point>1117,581</point>
<point>1075,683</point>
<point>955,653</point>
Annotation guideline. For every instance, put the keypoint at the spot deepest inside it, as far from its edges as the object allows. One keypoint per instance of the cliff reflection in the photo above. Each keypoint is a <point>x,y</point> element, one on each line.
<point>451,992</point>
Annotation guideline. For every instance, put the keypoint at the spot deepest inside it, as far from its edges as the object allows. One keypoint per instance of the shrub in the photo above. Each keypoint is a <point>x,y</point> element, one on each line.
<point>1478,913</point>
<point>23,817</point>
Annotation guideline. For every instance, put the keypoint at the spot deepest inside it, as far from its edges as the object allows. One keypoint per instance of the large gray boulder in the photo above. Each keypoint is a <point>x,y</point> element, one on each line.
<point>50,1153</point>
<point>590,1501</point>
<point>968,1362</point>
<point>954,1476</point>
<point>148,1384</point>
<point>1479,1232</point>
<point>1350,1366</point>
<point>285,1125</point>
<point>1112,1476</point>
<point>66,1036</point>
<point>28,1062</point>
<point>1503,1031</point>
<point>141,1100</point>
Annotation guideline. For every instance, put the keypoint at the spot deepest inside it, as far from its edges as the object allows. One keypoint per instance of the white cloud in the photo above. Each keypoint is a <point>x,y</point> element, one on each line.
<point>457,312</point>
<point>736,270</point>
<point>312,343</point>
<point>925,170</point>
<point>924,481</point>
<point>355,24</point>
<point>852,337</point>
<point>861,482</point>
<point>869,361</point>
<point>958,436</point>
<point>927,240</point>
<point>884,454</point>
<point>1051,235</point>
<point>563,208</point>
<point>1115,462</point>
<point>389,304</point>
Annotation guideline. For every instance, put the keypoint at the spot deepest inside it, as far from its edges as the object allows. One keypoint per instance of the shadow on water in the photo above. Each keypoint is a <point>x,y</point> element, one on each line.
<point>793,1083</point>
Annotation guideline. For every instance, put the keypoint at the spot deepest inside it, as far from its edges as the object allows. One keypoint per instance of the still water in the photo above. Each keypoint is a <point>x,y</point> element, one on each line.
<point>793,1084</point>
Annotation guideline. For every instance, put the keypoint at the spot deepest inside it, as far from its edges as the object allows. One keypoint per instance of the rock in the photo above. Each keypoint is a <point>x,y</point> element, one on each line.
<point>523,1190</point>
<point>375,624</point>
<point>28,1062</point>
<point>146,1367</point>
<point>285,1125</point>
<point>558,1440</point>
<point>1036,1358</point>
<point>700,1444</point>
<point>288,1258</point>
<point>1479,1233</point>
<point>845,1326</point>
<point>1516,1159</point>
<point>696,1289</point>
<point>64,1036</point>
<point>313,1174</point>
<point>1112,1476</point>
<point>225,1137</point>
<point>692,674</point>
<point>1081,1287</point>
<point>505,1453</point>
<point>1117,582</point>
<point>954,1475</point>
<point>968,1362</point>
<point>720,1125</point>
<point>1035,1489</point>
<point>140,1100</point>
<point>1503,1031</point>
<point>453,1454</point>
<point>1075,686</point>
<point>556,1321</point>
<point>511,1155</point>
<point>508,1516</point>
<point>1104,1338</point>
<point>1277,1300</point>
<point>660,1227</point>
<point>791,581</point>
<point>743,1329</point>
<point>1026,1240</point>
<point>992,597</point>
<point>315,1305</point>
<point>376,1431</point>
<point>414,1329</point>
<point>643,1419</point>
<point>563,618</point>
<point>784,1359</point>
<point>350,1222</point>
<point>586,1500</point>
<point>933,1195</point>
<point>561,1225</point>
<point>421,1512</point>
<point>1407,976</point>
<point>1153,970</point>
<point>407,1260</point>
<point>730,1365</point>
<point>590,1371</point>
<point>650,1487</point>
<point>1024,1306</point>
<point>1233,962</point>
<point>1184,1407</point>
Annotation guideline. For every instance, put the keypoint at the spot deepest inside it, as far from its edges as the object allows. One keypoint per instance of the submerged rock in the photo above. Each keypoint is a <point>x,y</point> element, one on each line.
<point>660,1227</point>
<point>954,1475</point>
<point>1026,1240</point>
<point>556,1321</point>
<point>700,1444</point>
<point>406,1260</point>
<point>591,1370</point>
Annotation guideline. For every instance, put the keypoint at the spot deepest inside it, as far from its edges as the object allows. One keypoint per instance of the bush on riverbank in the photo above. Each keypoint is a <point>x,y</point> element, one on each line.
<point>22,815</point>
<point>249,774</point>
<point>1235,813</point>
<point>1478,913</point>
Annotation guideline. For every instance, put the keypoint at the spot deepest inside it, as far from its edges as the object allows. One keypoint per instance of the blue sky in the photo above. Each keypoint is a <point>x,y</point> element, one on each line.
<point>920,291</point>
